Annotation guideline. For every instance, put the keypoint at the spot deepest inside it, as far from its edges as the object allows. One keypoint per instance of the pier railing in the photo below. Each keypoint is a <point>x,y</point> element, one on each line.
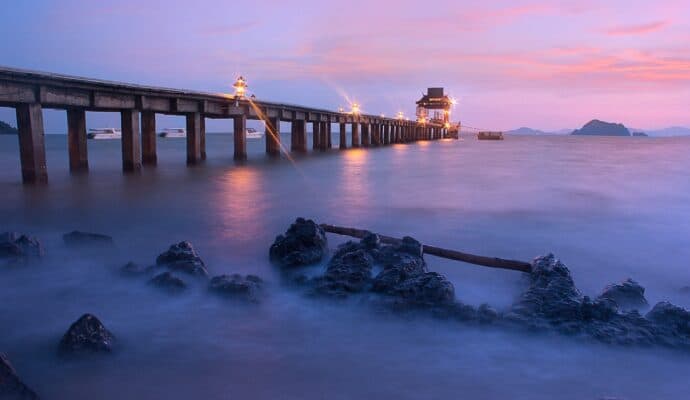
<point>29,92</point>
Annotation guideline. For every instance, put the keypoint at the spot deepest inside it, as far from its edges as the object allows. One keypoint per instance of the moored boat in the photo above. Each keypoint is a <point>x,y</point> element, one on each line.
<point>254,134</point>
<point>173,133</point>
<point>490,135</point>
<point>104,133</point>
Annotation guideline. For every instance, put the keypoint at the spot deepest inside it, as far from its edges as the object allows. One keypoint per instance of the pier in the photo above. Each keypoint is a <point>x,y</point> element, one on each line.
<point>29,92</point>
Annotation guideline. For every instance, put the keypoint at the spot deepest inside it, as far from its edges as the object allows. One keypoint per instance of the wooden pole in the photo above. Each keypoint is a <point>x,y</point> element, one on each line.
<point>492,262</point>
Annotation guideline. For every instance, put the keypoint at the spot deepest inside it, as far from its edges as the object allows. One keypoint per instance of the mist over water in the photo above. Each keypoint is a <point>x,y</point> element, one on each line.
<point>610,208</point>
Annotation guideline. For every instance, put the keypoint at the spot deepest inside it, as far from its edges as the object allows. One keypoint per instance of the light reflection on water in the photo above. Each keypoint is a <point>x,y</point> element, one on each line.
<point>609,207</point>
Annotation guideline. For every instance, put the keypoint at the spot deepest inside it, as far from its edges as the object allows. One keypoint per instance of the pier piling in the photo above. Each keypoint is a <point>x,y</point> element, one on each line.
<point>298,136</point>
<point>76,140</point>
<point>148,138</point>
<point>240,137</point>
<point>193,138</point>
<point>131,141</point>
<point>355,135</point>
<point>273,136</point>
<point>343,136</point>
<point>366,138</point>
<point>32,150</point>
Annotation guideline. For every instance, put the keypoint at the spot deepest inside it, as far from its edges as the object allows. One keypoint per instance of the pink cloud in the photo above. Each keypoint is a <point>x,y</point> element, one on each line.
<point>640,29</point>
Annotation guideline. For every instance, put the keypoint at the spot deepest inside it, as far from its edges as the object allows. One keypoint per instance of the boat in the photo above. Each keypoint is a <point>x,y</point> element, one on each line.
<point>254,134</point>
<point>173,133</point>
<point>104,133</point>
<point>490,135</point>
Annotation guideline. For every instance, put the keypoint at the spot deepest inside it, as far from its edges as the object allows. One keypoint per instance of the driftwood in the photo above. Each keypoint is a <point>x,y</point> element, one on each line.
<point>492,262</point>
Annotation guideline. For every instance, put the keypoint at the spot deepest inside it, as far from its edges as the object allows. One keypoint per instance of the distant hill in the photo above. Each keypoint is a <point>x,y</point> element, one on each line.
<point>530,131</point>
<point>7,129</point>
<point>672,131</point>
<point>596,127</point>
<point>665,132</point>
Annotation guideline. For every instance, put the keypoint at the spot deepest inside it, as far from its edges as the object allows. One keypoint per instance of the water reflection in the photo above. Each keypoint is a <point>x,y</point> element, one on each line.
<point>240,204</point>
<point>355,187</point>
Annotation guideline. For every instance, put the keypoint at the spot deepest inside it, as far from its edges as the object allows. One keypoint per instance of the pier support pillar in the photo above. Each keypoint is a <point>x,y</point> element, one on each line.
<point>376,134</point>
<point>148,138</point>
<point>343,137</point>
<point>316,135</point>
<point>202,137</point>
<point>366,138</point>
<point>273,136</point>
<point>32,150</point>
<point>323,133</point>
<point>329,136</point>
<point>131,140</point>
<point>193,138</point>
<point>240,137</point>
<point>298,136</point>
<point>355,135</point>
<point>76,140</point>
<point>386,134</point>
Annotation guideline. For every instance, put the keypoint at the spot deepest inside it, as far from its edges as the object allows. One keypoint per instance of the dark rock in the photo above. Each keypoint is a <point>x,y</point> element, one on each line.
<point>371,241</point>
<point>486,314</point>
<point>248,288</point>
<point>86,335</point>
<point>133,269</point>
<point>78,238</point>
<point>350,272</point>
<point>629,295</point>
<point>168,281</point>
<point>304,243</point>
<point>16,247</point>
<point>182,257</point>
<point>601,128</point>
<point>427,289</point>
<point>672,317</point>
<point>11,387</point>
<point>639,134</point>
<point>411,246</point>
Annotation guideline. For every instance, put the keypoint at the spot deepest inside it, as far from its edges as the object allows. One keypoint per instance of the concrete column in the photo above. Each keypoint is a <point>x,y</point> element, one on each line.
<point>323,141</point>
<point>273,136</point>
<point>298,136</point>
<point>329,135</point>
<point>32,149</point>
<point>148,138</point>
<point>202,137</point>
<point>240,137</point>
<point>376,134</point>
<point>366,139</point>
<point>343,136</point>
<point>131,140</point>
<point>193,138</point>
<point>76,140</point>
<point>387,134</point>
<point>355,135</point>
<point>316,135</point>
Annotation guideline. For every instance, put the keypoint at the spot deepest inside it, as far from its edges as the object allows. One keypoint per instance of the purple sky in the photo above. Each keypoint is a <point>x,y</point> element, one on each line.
<point>543,64</point>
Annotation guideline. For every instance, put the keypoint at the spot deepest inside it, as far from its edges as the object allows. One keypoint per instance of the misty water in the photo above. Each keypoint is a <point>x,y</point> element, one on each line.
<point>610,208</point>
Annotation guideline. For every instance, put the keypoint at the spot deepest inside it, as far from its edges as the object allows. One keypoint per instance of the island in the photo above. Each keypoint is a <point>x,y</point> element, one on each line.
<point>7,129</point>
<point>640,134</point>
<point>601,128</point>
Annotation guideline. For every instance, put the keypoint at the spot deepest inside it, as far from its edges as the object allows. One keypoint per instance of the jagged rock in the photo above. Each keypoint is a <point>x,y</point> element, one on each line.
<point>304,243</point>
<point>348,273</point>
<point>16,247</point>
<point>427,289</point>
<point>628,295</point>
<point>11,387</point>
<point>78,238</point>
<point>182,257</point>
<point>86,335</point>
<point>168,281</point>
<point>134,269</point>
<point>674,318</point>
<point>247,287</point>
<point>486,314</point>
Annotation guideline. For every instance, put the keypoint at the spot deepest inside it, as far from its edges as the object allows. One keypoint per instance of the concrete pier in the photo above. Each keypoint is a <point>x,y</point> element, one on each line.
<point>32,149</point>
<point>323,135</point>
<point>273,136</point>
<point>193,138</point>
<point>316,135</point>
<point>366,137</point>
<point>240,137</point>
<point>131,140</point>
<point>76,140</point>
<point>356,141</point>
<point>148,138</point>
<point>298,136</point>
<point>343,136</point>
<point>386,134</point>
<point>202,137</point>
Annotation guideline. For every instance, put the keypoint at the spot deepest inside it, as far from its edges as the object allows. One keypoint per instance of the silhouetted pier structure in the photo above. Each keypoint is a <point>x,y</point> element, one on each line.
<point>30,92</point>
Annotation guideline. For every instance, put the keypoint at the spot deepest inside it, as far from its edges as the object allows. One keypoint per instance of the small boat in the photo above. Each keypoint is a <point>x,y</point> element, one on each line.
<point>490,135</point>
<point>173,133</point>
<point>104,133</point>
<point>254,134</point>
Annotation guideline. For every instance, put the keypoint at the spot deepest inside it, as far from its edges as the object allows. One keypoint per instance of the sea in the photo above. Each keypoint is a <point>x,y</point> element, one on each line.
<point>610,208</point>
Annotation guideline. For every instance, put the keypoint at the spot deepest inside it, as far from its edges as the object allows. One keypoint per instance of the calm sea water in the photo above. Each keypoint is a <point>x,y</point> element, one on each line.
<point>610,208</point>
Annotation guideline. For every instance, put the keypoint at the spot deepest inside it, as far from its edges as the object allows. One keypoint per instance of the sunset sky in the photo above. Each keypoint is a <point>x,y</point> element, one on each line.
<point>543,64</point>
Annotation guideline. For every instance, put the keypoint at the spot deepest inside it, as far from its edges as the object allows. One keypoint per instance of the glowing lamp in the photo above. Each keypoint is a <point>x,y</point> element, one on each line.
<point>446,125</point>
<point>355,108</point>
<point>240,86</point>
<point>400,115</point>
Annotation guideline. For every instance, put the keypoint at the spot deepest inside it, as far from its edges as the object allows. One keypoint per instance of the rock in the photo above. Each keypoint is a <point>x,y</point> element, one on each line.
<point>133,269</point>
<point>672,317</point>
<point>628,295</point>
<point>427,289</point>
<point>78,238</point>
<point>350,272</point>
<point>304,243</point>
<point>182,257</point>
<point>16,247</point>
<point>486,314</point>
<point>86,335</point>
<point>248,288</point>
<point>168,281</point>
<point>11,387</point>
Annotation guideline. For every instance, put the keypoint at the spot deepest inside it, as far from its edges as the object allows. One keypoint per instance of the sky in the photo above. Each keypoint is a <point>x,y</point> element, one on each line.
<point>543,64</point>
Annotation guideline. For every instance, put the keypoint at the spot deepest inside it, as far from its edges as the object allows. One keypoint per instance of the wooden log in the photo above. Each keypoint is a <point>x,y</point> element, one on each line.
<point>492,262</point>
